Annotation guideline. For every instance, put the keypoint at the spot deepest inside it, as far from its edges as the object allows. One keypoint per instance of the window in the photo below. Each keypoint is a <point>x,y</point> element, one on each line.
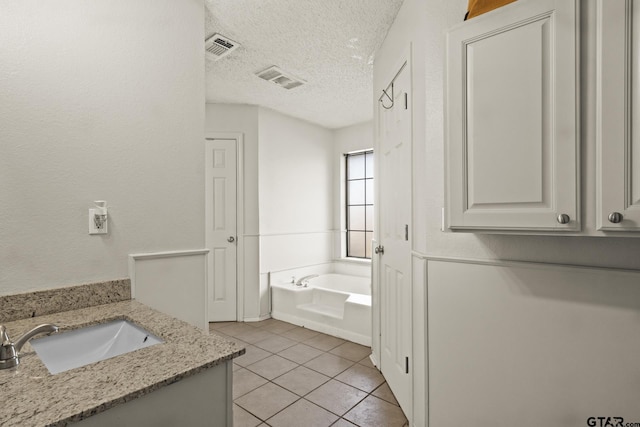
<point>359,203</point>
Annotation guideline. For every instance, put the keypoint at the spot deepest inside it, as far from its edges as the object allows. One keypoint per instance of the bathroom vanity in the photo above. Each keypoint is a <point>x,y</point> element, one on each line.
<point>186,380</point>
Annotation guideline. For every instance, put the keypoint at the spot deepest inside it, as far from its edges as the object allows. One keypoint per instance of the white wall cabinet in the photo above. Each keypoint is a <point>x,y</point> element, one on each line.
<point>618,116</point>
<point>512,119</point>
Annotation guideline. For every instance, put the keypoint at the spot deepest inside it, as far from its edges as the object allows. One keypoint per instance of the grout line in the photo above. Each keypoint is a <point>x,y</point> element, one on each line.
<point>340,417</point>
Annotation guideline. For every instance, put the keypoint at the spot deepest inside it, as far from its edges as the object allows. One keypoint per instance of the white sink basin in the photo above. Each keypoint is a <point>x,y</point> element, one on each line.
<point>80,347</point>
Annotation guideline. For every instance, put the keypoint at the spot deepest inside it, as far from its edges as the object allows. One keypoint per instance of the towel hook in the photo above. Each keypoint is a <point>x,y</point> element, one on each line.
<point>381,99</point>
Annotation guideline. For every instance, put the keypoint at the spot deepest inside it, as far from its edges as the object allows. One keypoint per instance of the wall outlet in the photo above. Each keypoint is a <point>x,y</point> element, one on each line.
<point>96,226</point>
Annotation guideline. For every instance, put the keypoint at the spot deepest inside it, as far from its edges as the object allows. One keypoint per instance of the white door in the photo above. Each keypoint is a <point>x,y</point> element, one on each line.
<point>512,139</point>
<point>221,237</point>
<point>394,156</point>
<point>618,140</point>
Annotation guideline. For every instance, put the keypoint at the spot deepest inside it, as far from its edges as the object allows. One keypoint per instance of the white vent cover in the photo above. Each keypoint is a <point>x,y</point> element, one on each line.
<point>279,77</point>
<point>219,46</point>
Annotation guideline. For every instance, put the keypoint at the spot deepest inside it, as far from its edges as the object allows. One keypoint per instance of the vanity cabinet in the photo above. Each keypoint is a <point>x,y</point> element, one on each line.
<point>512,109</point>
<point>618,116</point>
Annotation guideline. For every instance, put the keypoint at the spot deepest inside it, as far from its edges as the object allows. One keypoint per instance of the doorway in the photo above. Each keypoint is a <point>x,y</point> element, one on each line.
<point>223,203</point>
<point>394,252</point>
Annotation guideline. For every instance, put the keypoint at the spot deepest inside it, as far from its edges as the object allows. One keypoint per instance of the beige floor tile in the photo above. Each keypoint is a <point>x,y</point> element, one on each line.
<point>265,322</point>
<point>252,355</point>
<point>266,401</point>
<point>272,367</point>
<point>351,351</point>
<point>255,335</point>
<point>275,343</point>
<point>301,380</point>
<point>359,376</point>
<point>303,413</point>
<point>375,412</point>
<point>385,393</point>
<point>242,418</point>
<point>329,364</point>
<point>343,423</point>
<point>229,338</point>
<point>235,329</point>
<point>278,327</point>
<point>336,397</point>
<point>324,342</point>
<point>214,326</point>
<point>367,362</point>
<point>245,381</point>
<point>236,367</point>
<point>299,334</point>
<point>300,353</point>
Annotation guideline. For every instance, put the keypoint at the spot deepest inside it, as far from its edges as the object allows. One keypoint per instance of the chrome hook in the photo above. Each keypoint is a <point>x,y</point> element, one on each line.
<point>384,93</point>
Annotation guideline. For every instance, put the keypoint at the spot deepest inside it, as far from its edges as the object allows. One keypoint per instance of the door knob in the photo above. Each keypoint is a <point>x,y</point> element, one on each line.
<point>563,219</point>
<point>615,217</point>
<point>379,250</point>
<point>231,239</point>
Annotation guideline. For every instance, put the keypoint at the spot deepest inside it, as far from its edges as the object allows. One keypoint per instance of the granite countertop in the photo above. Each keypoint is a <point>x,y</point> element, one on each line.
<point>31,396</point>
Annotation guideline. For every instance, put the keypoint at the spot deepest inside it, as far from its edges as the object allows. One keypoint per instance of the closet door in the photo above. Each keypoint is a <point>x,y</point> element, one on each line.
<point>618,116</point>
<point>512,119</point>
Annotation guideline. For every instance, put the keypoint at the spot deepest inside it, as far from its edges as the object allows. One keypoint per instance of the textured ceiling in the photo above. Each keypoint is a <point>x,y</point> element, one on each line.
<point>328,43</point>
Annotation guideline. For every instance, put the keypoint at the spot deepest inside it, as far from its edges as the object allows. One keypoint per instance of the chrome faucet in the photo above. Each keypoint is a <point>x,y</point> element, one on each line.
<point>10,351</point>
<point>304,281</point>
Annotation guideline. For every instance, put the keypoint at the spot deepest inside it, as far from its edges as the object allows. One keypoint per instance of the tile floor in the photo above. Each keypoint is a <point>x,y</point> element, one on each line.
<point>295,377</point>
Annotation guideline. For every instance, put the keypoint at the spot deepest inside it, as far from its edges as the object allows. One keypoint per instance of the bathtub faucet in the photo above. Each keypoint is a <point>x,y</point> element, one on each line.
<point>304,281</point>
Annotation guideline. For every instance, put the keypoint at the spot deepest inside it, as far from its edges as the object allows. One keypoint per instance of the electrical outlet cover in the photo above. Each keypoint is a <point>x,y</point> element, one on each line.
<point>93,227</point>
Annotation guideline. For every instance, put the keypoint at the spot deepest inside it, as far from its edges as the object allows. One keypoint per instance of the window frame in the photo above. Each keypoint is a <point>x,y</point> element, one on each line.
<point>368,228</point>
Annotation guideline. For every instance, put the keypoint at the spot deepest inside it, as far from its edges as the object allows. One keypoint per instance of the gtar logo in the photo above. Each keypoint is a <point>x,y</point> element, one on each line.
<point>605,422</point>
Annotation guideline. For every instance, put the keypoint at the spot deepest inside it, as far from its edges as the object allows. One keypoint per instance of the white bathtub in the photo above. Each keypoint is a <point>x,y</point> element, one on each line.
<point>336,304</point>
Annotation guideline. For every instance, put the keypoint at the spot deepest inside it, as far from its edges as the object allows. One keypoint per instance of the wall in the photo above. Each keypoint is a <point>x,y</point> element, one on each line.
<point>423,24</point>
<point>346,140</point>
<point>244,119</point>
<point>288,194</point>
<point>296,195</point>
<point>100,100</point>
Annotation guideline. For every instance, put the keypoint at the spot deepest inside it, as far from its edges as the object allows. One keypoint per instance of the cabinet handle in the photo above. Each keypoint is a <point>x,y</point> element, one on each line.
<point>563,219</point>
<point>615,217</point>
<point>231,239</point>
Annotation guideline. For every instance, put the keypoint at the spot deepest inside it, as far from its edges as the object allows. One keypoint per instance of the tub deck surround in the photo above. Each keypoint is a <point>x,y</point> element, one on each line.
<point>33,397</point>
<point>336,304</point>
<point>39,303</point>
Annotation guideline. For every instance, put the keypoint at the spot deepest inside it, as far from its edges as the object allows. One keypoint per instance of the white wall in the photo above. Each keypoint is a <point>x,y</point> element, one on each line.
<point>244,119</point>
<point>99,100</point>
<point>295,175</point>
<point>423,24</point>
<point>296,195</point>
<point>288,194</point>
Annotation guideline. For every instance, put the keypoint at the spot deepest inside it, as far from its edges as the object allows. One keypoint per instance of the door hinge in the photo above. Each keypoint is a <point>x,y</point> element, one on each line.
<point>406,232</point>
<point>406,365</point>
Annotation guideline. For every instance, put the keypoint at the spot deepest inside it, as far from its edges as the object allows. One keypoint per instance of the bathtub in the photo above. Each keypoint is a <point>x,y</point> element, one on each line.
<point>336,304</point>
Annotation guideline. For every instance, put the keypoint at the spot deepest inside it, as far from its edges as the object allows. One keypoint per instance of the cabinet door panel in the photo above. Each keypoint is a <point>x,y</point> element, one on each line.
<point>512,153</point>
<point>618,139</point>
<point>508,88</point>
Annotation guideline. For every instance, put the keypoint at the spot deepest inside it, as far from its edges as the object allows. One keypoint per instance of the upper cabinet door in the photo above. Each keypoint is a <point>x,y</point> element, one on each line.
<point>618,116</point>
<point>512,119</point>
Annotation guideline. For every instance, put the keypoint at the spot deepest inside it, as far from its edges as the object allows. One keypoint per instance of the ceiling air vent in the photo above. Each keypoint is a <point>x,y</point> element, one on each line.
<point>219,46</point>
<point>279,77</point>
